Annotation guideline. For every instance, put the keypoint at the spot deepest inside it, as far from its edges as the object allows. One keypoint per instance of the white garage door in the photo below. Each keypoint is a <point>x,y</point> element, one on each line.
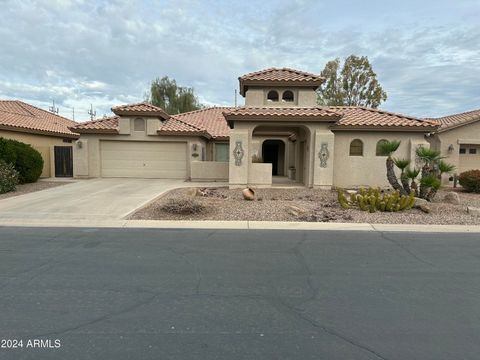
<point>144,159</point>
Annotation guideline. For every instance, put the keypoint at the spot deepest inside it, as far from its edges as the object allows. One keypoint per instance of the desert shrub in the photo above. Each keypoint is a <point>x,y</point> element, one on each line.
<point>183,206</point>
<point>470,180</point>
<point>26,160</point>
<point>8,177</point>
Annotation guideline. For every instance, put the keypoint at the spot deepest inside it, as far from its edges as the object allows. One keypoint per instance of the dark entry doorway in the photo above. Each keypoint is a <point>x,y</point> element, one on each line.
<point>273,152</point>
<point>63,161</point>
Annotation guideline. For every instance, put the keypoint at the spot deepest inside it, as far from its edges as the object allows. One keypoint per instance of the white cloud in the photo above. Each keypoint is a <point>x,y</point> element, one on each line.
<point>107,52</point>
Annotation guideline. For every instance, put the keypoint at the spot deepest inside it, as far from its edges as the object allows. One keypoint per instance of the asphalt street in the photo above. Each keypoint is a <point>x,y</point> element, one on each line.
<point>238,294</point>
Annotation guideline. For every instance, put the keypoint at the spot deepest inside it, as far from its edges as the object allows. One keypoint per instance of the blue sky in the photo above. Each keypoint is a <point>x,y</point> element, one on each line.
<point>426,53</point>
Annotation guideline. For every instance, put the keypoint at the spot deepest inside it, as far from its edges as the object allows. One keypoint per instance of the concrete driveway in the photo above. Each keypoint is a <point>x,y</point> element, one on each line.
<point>85,200</point>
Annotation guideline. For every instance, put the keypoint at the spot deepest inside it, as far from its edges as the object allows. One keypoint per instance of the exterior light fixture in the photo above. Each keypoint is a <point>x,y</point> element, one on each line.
<point>450,148</point>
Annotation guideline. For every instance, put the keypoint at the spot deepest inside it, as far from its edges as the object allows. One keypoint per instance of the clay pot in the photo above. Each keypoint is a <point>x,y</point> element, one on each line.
<point>248,194</point>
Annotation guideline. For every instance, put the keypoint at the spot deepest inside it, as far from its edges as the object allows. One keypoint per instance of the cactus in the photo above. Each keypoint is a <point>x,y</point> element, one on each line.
<point>372,200</point>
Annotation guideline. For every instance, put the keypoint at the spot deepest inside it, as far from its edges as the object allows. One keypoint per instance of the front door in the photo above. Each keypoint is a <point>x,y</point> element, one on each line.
<point>63,161</point>
<point>270,155</point>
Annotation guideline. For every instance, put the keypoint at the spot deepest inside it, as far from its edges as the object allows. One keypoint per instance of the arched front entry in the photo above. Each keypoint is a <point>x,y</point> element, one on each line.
<point>273,152</point>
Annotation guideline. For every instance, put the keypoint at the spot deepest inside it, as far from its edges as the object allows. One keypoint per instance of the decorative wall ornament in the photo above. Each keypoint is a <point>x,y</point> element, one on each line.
<point>324,154</point>
<point>238,153</point>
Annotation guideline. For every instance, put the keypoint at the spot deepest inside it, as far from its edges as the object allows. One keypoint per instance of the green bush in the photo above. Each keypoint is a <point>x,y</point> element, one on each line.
<point>26,160</point>
<point>470,180</point>
<point>8,177</point>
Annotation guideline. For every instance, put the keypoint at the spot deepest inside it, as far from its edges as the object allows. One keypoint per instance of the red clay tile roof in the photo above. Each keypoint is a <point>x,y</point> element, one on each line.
<point>175,126</point>
<point>19,116</point>
<point>144,108</point>
<point>279,76</point>
<point>107,125</point>
<point>210,120</point>
<point>355,117</point>
<point>255,113</point>
<point>456,120</point>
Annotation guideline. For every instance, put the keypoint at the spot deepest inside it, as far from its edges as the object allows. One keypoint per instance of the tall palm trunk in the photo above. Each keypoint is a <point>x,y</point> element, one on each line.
<point>392,178</point>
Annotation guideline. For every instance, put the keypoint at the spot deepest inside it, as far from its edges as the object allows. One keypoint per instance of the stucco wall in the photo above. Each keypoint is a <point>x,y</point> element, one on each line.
<point>43,143</point>
<point>260,174</point>
<point>467,134</point>
<point>209,171</point>
<point>369,169</point>
<point>87,161</point>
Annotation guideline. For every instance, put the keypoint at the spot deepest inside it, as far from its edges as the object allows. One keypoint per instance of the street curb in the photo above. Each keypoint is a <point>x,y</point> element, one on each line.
<point>242,225</point>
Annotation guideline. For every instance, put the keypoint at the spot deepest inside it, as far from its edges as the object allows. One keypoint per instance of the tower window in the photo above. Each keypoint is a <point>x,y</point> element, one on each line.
<point>272,95</point>
<point>287,96</point>
<point>139,124</point>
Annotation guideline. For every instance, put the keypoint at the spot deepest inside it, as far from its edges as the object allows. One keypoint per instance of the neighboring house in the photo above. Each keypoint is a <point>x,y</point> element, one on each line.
<point>458,138</point>
<point>45,131</point>
<point>281,135</point>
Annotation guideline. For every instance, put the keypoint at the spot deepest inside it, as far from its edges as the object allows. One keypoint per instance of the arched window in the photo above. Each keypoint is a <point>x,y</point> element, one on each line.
<point>272,95</point>
<point>287,96</point>
<point>378,150</point>
<point>356,148</point>
<point>139,124</point>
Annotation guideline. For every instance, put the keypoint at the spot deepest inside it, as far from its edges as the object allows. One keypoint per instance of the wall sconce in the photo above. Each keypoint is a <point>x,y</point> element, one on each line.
<point>79,144</point>
<point>194,147</point>
<point>450,148</point>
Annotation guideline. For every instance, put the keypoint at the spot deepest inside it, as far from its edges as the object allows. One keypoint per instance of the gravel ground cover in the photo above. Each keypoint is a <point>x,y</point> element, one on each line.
<point>297,204</point>
<point>32,187</point>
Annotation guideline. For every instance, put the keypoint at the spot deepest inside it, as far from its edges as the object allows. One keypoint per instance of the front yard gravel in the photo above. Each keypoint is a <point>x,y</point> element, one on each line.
<point>299,204</point>
<point>32,187</point>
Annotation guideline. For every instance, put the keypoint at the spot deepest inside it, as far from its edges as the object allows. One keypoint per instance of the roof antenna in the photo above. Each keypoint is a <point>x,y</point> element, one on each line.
<point>73,113</point>
<point>92,113</point>
<point>235,97</point>
<point>53,109</point>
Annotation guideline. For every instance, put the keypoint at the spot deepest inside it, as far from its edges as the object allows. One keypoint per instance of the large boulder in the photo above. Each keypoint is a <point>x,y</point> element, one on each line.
<point>451,198</point>
<point>473,210</point>
<point>419,202</point>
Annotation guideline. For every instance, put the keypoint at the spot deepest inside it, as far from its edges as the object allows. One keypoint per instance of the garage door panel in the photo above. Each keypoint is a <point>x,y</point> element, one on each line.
<point>144,159</point>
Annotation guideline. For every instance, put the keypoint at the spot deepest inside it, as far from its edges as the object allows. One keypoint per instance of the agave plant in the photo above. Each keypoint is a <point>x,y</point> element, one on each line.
<point>387,148</point>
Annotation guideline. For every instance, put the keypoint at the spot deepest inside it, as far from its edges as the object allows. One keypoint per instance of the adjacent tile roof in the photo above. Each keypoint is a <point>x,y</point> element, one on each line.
<point>456,120</point>
<point>107,125</point>
<point>280,112</point>
<point>279,76</point>
<point>143,108</point>
<point>210,120</point>
<point>174,126</point>
<point>355,117</point>
<point>16,115</point>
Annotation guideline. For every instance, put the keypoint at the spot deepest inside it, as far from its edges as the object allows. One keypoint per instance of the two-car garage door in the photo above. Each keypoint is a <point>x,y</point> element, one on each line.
<point>142,159</point>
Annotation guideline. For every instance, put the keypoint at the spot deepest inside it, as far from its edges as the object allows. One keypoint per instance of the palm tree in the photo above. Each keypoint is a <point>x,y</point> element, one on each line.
<point>402,164</point>
<point>444,168</point>
<point>430,183</point>
<point>430,158</point>
<point>387,148</point>
<point>412,175</point>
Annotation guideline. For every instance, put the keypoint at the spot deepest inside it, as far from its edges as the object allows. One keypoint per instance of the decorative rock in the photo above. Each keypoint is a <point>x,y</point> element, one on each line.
<point>350,192</point>
<point>295,210</point>
<point>473,210</point>
<point>425,208</point>
<point>248,194</point>
<point>452,198</point>
<point>419,202</point>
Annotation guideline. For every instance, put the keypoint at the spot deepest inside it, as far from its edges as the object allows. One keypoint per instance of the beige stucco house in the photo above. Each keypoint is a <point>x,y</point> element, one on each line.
<point>49,133</point>
<point>458,139</point>
<point>280,136</point>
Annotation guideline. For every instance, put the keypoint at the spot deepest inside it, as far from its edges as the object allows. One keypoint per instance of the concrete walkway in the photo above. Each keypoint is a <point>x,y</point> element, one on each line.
<point>85,201</point>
